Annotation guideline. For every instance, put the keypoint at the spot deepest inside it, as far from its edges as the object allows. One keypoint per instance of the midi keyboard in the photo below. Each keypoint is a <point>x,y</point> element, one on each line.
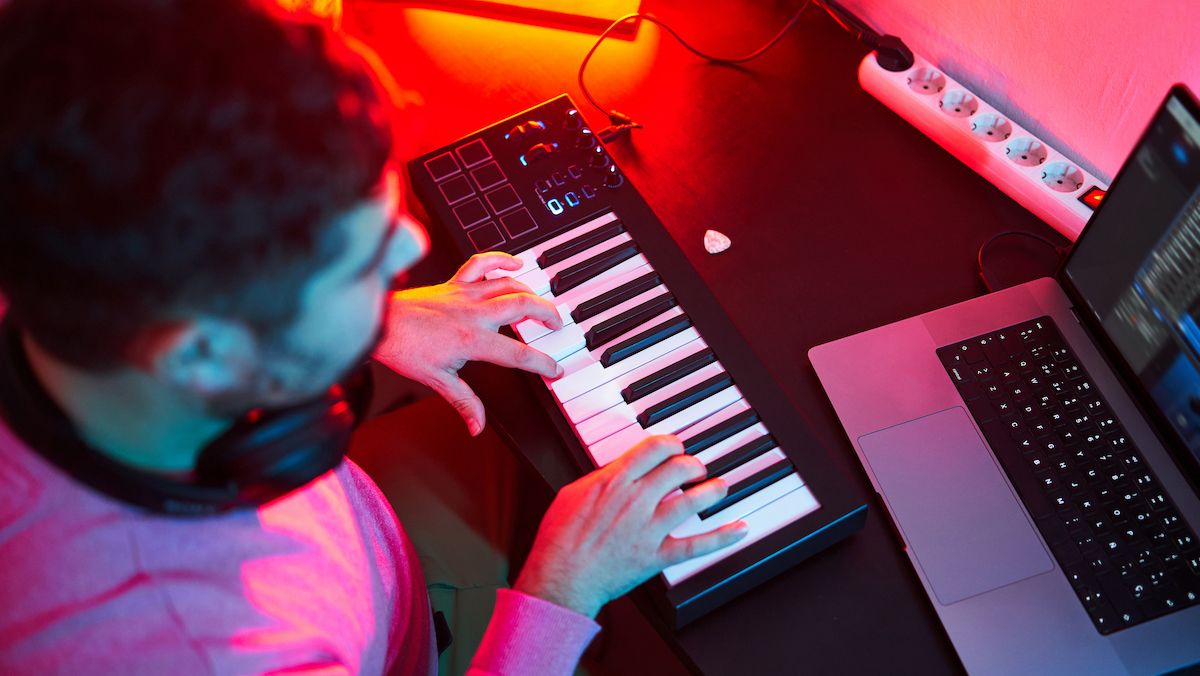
<point>645,347</point>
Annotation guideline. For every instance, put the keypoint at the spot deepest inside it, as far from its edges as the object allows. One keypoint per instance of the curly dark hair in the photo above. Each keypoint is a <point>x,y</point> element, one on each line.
<point>160,158</point>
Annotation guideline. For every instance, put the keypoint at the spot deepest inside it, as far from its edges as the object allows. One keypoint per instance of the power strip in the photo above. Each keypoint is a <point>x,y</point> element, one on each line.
<point>1037,176</point>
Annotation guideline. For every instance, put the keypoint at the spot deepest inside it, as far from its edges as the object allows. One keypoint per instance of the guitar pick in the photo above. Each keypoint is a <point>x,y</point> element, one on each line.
<point>715,242</point>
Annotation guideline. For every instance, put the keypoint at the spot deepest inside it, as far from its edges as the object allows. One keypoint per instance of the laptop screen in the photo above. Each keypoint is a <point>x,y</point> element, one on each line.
<point>1137,266</point>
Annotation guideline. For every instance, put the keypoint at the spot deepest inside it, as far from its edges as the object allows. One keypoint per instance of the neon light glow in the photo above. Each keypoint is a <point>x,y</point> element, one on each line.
<point>590,17</point>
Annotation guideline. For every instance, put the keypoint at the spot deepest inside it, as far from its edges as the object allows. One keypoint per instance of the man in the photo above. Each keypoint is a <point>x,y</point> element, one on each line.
<point>200,219</point>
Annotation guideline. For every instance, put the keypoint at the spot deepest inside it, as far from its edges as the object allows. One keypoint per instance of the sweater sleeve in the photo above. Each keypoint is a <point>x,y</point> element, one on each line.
<point>530,636</point>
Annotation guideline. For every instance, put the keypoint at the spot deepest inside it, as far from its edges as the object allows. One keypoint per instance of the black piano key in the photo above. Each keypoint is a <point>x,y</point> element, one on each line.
<point>696,393</point>
<point>605,331</point>
<point>750,485</point>
<point>720,432</point>
<point>741,455</point>
<point>581,272</point>
<point>668,375</point>
<point>583,242</point>
<point>645,339</point>
<point>614,297</point>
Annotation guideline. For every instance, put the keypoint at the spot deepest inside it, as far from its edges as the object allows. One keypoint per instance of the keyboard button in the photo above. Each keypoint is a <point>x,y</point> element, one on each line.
<point>667,375</point>
<point>741,455</point>
<point>577,274</point>
<point>559,344</point>
<point>606,331</point>
<point>621,415</point>
<point>607,395</point>
<point>750,485</point>
<point>612,446</point>
<point>1111,528</point>
<point>665,409</point>
<point>583,370</point>
<point>615,296</point>
<point>765,512</point>
<point>530,330</point>
<point>719,432</point>
<point>644,340</point>
<point>587,240</point>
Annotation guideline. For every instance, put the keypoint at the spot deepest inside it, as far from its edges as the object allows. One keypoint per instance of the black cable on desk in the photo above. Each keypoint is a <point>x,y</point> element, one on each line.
<point>1059,251</point>
<point>894,55</point>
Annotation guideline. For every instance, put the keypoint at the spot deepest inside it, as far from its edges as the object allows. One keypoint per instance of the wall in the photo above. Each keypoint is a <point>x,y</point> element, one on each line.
<point>1084,76</point>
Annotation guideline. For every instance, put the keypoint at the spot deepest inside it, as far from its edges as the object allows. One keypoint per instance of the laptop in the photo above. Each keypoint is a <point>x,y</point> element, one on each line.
<point>1038,448</point>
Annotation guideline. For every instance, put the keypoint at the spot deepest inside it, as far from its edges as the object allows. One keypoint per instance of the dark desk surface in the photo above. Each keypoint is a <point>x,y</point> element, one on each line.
<point>843,217</point>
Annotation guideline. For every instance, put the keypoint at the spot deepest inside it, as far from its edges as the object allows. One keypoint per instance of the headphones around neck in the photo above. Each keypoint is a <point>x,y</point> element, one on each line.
<point>262,457</point>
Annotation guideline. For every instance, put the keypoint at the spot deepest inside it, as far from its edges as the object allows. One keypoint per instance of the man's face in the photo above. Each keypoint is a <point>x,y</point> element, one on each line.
<point>342,308</point>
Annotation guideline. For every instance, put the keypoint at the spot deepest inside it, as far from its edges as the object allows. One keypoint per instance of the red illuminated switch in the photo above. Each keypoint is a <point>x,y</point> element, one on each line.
<point>1092,197</point>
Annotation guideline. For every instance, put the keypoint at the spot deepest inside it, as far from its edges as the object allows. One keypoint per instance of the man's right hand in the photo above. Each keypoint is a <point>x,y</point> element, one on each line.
<point>608,532</point>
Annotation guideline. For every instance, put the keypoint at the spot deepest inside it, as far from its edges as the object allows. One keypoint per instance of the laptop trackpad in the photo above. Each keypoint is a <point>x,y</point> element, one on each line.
<point>954,506</point>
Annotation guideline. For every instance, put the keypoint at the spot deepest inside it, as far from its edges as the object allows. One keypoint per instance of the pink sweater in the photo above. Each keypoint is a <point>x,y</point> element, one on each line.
<point>323,580</point>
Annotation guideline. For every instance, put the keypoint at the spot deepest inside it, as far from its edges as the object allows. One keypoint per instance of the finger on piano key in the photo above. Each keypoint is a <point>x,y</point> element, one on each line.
<point>537,280</point>
<point>527,264</point>
<point>620,414</point>
<point>611,447</point>
<point>720,427</point>
<point>608,394</point>
<point>583,371</point>
<point>531,329</point>
<point>558,345</point>
<point>727,511</point>
<point>778,505</point>
<point>624,321</point>
<point>583,242</point>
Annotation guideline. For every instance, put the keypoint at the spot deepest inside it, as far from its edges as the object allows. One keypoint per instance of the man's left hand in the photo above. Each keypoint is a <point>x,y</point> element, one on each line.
<point>434,331</point>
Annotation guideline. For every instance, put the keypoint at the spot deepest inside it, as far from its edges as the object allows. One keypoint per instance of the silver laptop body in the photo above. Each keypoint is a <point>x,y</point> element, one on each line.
<point>990,571</point>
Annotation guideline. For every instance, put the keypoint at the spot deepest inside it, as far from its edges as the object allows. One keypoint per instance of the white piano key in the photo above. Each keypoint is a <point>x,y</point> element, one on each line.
<point>536,280</point>
<point>527,263</point>
<point>611,447</point>
<point>531,329</point>
<point>762,522</point>
<point>608,394</point>
<point>602,283</point>
<point>559,344</point>
<point>733,442</point>
<point>529,256</point>
<point>621,414</point>
<point>582,371</point>
<point>743,507</point>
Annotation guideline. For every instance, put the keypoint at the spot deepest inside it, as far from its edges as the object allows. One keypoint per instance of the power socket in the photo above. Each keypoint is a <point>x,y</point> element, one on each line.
<point>1037,176</point>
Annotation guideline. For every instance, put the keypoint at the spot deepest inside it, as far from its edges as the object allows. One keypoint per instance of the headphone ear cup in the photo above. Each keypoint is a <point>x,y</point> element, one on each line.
<point>281,450</point>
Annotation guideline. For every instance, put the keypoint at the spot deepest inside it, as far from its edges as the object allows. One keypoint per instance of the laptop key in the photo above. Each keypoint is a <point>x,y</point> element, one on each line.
<point>1114,532</point>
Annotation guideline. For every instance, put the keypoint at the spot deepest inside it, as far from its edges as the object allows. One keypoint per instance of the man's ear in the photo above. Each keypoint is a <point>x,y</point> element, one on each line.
<point>201,355</point>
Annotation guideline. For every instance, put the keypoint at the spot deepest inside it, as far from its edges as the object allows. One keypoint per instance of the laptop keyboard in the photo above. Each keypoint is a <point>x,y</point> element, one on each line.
<point>1122,544</point>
